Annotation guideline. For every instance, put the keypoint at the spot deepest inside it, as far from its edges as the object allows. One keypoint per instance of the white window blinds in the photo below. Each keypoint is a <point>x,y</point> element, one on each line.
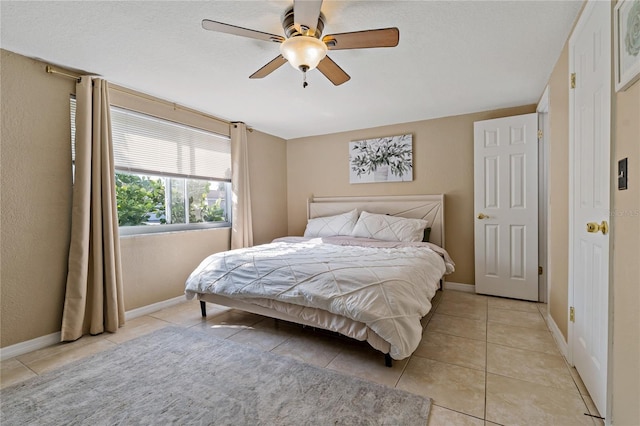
<point>148,145</point>
<point>144,144</point>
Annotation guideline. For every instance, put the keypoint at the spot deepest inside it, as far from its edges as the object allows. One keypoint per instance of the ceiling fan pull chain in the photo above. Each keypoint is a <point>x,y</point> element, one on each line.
<point>304,79</point>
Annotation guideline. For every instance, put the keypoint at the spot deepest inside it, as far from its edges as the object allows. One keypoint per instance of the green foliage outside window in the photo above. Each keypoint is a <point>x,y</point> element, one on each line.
<point>214,213</point>
<point>138,197</point>
<point>141,197</point>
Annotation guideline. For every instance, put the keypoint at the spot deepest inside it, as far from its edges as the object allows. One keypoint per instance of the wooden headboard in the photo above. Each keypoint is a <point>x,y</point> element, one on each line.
<point>427,207</point>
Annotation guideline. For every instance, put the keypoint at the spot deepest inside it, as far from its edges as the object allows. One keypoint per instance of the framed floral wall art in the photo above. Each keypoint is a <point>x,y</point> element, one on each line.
<point>626,38</point>
<point>388,159</point>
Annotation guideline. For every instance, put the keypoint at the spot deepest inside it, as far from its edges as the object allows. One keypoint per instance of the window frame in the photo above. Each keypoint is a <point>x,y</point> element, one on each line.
<point>127,99</point>
<point>180,227</point>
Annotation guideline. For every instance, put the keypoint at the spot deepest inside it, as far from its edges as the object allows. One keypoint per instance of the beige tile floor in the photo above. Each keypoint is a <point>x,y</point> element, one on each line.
<point>483,360</point>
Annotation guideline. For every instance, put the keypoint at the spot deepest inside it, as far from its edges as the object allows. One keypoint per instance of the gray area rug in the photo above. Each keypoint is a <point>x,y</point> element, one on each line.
<point>181,376</point>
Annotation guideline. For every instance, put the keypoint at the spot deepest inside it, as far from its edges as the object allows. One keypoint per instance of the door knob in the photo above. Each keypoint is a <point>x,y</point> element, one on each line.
<point>594,227</point>
<point>483,216</point>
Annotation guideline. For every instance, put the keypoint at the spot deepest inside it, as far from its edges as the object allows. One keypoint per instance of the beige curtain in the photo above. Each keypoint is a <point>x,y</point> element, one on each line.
<point>242,229</point>
<point>94,300</point>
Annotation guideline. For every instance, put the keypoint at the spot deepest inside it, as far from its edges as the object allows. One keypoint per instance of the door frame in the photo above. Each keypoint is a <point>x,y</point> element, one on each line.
<point>543,195</point>
<point>586,11</point>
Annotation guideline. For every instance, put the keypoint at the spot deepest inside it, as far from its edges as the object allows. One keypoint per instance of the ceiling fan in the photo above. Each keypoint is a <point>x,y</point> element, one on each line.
<point>303,48</point>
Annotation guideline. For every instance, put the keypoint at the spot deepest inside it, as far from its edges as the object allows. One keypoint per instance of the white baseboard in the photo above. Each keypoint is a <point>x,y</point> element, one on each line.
<point>145,310</point>
<point>29,346</point>
<point>468,288</point>
<point>557,336</point>
<point>51,339</point>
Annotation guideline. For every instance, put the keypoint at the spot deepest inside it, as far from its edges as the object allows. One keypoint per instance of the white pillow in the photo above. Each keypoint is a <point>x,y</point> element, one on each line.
<point>389,228</point>
<point>329,226</point>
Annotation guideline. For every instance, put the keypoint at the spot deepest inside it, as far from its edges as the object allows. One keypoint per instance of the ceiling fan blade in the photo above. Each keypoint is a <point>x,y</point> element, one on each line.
<point>306,13</point>
<point>332,71</point>
<point>384,37</point>
<point>239,31</point>
<point>269,68</point>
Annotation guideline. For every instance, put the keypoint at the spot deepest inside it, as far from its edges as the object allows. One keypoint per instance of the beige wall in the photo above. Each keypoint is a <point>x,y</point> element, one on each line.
<point>268,165</point>
<point>155,266</point>
<point>35,188</point>
<point>442,161</point>
<point>35,193</point>
<point>625,227</point>
<point>558,226</point>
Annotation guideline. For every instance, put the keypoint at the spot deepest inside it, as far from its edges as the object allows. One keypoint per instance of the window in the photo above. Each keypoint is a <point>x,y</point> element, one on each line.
<point>169,176</point>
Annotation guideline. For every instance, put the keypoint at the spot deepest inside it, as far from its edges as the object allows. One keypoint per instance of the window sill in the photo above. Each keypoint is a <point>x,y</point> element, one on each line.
<point>126,231</point>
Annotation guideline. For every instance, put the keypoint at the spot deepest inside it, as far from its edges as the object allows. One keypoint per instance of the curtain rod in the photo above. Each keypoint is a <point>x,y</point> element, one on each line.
<point>235,124</point>
<point>52,70</point>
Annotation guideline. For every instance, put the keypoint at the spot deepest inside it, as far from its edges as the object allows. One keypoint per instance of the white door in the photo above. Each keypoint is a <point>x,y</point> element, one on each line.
<point>506,206</point>
<point>590,60</point>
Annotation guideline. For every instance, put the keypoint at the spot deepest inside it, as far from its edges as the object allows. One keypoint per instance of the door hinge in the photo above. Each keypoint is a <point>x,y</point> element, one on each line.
<point>539,134</point>
<point>572,314</point>
<point>573,80</point>
<point>539,270</point>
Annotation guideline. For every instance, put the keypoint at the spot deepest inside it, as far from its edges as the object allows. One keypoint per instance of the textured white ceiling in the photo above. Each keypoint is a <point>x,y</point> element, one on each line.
<point>454,57</point>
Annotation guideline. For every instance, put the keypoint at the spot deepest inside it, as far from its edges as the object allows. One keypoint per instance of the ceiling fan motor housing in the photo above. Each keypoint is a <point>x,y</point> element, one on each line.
<point>290,30</point>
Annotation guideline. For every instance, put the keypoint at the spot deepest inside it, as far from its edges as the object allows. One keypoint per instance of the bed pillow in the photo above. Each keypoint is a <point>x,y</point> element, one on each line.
<point>389,228</point>
<point>328,226</point>
<point>427,235</point>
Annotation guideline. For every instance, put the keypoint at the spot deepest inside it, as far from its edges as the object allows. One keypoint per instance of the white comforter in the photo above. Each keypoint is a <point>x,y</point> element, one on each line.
<point>387,288</point>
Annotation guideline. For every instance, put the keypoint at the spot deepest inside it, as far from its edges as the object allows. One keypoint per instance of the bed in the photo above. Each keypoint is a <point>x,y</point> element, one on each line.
<point>361,270</point>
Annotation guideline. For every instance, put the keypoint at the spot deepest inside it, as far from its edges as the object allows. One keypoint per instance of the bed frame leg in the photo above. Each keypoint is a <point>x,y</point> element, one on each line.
<point>203,308</point>
<point>387,360</point>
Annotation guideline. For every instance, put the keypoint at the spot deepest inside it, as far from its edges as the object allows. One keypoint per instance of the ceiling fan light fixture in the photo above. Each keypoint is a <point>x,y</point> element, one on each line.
<point>303,52</point>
